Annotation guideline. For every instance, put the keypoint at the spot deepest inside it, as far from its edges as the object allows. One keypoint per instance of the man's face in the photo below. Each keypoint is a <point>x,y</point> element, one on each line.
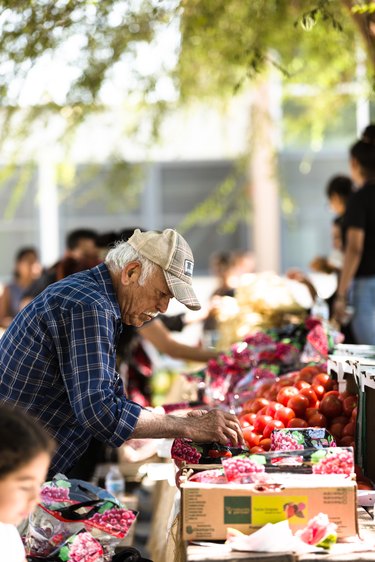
<point>140,303</point>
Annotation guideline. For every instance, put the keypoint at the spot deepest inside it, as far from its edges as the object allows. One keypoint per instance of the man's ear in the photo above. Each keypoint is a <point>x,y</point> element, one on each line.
<point>131,272</point>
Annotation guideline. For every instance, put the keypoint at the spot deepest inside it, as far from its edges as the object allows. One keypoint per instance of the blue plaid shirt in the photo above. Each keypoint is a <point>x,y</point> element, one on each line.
<point>58,362</point>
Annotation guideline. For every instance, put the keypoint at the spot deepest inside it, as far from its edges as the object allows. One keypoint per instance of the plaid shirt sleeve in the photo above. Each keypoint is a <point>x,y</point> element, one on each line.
<point>84,337</point>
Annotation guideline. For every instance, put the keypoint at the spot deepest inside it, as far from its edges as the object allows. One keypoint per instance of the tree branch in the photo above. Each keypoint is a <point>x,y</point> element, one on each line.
<point>362,23</point>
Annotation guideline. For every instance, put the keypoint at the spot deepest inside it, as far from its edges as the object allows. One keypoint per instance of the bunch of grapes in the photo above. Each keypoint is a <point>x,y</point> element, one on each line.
<point>85,547</point>
<point>113,521</point>
<point>212,476</point>
<point>340,462</point>
<point>183,451</point>
<point>52,494</point>
<point>281,441</point>
<point>238,467</point>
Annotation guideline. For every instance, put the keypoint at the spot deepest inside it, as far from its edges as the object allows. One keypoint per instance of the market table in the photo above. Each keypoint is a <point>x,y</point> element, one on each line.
<point>195,553</point>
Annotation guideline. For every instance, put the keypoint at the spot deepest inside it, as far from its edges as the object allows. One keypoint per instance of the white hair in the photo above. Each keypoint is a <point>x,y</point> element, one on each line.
<point>124,253</point>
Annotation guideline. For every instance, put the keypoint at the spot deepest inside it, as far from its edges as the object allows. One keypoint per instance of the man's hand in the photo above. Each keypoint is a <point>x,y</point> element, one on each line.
<point>214,425</point>
<point>198,425</point>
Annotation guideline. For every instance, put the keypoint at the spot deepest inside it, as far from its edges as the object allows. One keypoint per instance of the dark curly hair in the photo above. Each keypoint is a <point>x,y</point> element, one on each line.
<point>21,440</point>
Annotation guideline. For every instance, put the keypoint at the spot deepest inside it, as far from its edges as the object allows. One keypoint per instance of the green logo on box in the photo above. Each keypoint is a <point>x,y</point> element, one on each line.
<point>237,509</point>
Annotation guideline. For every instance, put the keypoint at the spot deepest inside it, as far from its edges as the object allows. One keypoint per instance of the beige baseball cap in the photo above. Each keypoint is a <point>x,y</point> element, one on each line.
<point>171,251</point>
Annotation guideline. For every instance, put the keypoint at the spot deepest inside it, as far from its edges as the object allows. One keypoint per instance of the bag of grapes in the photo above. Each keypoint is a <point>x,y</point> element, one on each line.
<point>70,512</point>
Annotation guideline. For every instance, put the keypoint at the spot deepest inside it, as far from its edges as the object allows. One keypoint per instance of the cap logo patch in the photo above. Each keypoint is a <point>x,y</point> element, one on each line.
<point>188,268</point>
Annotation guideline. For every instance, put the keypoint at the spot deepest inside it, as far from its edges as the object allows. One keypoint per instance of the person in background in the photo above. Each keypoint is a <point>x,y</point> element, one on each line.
<point>221,265</point>
<point>339,190</point>
<point>25,454</point>
<point>81,253</point>
<point>243,263</point>
<point>358,271</point>
<point>27,269</point>
<point>62,347</point>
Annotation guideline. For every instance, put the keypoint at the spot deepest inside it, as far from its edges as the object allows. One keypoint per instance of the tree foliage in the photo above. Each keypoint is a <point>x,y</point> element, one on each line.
<point>224,46</point>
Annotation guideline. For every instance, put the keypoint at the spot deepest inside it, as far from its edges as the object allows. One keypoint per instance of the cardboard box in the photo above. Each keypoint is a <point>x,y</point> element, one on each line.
<point>208,509</point>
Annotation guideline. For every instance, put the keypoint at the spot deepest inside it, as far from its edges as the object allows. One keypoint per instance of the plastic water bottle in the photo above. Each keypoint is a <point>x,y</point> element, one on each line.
<point>114,482</point>
<point>320,309</point>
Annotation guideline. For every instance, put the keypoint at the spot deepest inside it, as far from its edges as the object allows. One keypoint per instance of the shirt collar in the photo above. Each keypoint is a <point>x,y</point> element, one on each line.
<point>103,278</point>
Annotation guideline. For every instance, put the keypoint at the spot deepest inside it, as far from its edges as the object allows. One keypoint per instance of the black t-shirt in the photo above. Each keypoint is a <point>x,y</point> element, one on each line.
<point>360,213</point>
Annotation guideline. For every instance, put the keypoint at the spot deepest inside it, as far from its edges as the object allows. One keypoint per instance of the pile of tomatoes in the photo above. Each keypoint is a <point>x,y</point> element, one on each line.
<point>306,398</point>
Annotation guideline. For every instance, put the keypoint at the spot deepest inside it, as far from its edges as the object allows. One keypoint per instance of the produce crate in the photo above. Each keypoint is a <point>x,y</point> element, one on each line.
<point>208,509</point>
<point>354,368</point>
<point>366,418</point>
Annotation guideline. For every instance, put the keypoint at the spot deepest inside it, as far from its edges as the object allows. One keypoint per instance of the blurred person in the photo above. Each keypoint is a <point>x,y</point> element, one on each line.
<point>358,271</point>
<point>25,454</point>
<point>62,347</point>
<point>81,253</point>
<point>339,190</point>
<point>243,263</point>
<point>221,266</point>
<point>27,269</point>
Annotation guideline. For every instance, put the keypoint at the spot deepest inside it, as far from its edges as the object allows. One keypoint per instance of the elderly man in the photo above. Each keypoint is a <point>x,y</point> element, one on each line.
<point>57,359</point>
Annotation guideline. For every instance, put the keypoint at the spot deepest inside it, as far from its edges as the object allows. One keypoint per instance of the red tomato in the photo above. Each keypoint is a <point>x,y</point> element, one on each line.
<point>336,430</point>
<point>347,441</point>
<point>256,450</point>
<point>319,390</point>
<point>325,380</point>
<point>250,437</point>
<point>300,384</point>
<point>272,408</point>
<point>286,393</point>
<point>263,388</point>
<point>353,417</point>
<point>307,373</point>
<point>297,422</point>
<point>247,418</point>
<point>333,393</point>
<point>348,405</point>
<point>299,404</point>
<point>262,411</point>
<point>261,422</point>
<point>310,395</point>
<point>349,429</point>
<point>330,406</point>
<point>265,443</point>
<point>340,419</point>
<point>310,411</point>
<point>274,424</point>
<point>285,414</point>
<point>257,405</point>
<point>317,420</point>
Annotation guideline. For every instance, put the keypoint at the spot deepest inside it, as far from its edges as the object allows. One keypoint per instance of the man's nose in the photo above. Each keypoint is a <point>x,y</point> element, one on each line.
<point>163,304</point>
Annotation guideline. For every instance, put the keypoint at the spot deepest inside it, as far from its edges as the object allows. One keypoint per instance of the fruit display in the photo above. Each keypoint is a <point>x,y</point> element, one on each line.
<point>302,399</point>
<point>333,461</point>
<point>242,468</point>
<point>235,376</point>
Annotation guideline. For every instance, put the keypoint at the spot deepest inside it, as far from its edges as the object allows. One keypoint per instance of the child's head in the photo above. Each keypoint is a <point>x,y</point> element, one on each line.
<point>339,189</point>
<point>25,454</point>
